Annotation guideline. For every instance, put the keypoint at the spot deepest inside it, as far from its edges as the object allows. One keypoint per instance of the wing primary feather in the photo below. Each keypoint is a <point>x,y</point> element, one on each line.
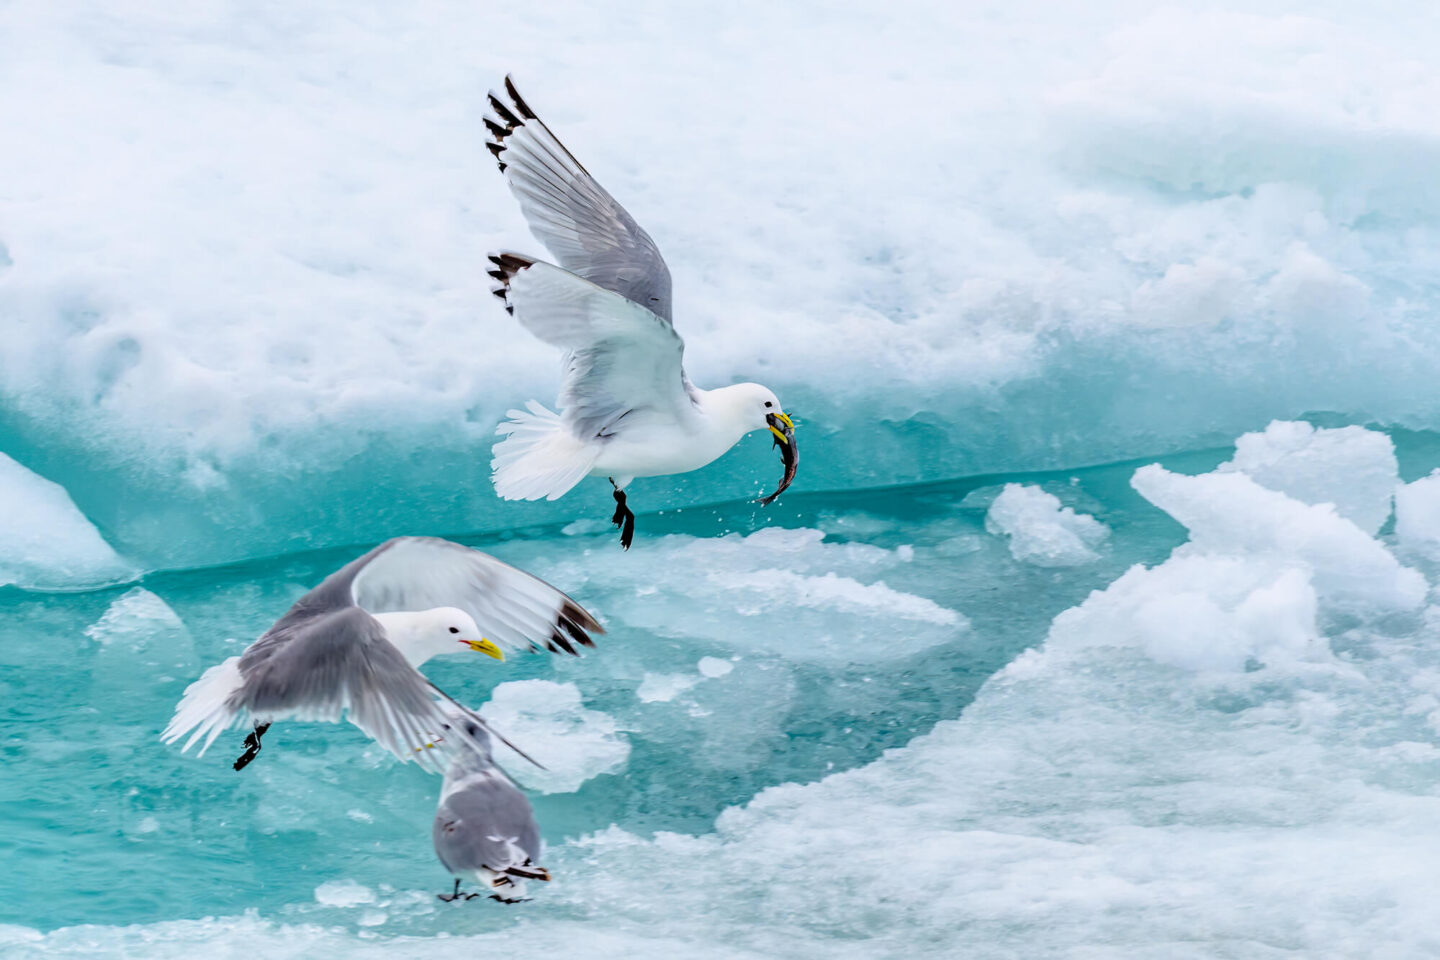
<point>510,119</point>
<point>519,101</point>
<point>581,620</point>
<point>564,644</point>
<point>587,230</point>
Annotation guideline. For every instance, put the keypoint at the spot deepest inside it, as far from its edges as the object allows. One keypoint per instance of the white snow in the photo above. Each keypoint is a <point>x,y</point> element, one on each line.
<point>548,721</point>
<point>1041,531</point>
<point>1351,467</point>
<point>45,541</point>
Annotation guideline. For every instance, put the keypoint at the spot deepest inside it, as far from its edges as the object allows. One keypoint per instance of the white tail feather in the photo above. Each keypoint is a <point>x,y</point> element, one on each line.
<point>206,708</point>
<point>538,457</point>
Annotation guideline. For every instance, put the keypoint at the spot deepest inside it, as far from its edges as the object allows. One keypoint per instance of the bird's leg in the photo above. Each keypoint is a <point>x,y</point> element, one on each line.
<point>252,746</point>
<point>624,518</point>
<point>457,895</point>
<point>500,899</point>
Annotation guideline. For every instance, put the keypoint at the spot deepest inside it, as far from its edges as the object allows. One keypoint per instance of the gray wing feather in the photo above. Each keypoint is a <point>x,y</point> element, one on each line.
<point>481,818</point>
<point>511,607</point>
<point>620,358</point>
<point>327,666</point>
<point>578,221</point>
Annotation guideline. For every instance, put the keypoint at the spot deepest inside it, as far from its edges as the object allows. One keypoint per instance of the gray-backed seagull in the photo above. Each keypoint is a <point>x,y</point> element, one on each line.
<point>351,646</point>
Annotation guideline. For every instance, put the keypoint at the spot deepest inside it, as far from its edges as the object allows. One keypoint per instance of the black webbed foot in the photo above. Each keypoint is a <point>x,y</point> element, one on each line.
<point>457,895</point>
<point>252,746</point>
<point>499,899</point>
<point>623,518</point>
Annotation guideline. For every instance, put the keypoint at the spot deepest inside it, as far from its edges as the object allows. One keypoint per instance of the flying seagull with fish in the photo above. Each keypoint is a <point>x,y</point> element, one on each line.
<point>627,409</point>
<point>351,648</point>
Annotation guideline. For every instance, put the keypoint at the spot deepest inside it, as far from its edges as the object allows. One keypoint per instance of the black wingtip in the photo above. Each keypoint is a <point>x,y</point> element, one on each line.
<point>518,100</point>
<point>558,643</point>
<point>578,622</point>
<point>505,113</point>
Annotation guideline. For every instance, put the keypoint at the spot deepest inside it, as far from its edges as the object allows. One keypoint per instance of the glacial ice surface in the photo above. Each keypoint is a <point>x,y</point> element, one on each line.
<point>243,246</point>
<point>1041,531</point>
<point>1351,467</point>
<point>45,541</point>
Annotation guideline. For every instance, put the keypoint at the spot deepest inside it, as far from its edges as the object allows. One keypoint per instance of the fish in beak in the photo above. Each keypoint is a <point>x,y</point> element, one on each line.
<point>486,647</point>
<point>784,430</point>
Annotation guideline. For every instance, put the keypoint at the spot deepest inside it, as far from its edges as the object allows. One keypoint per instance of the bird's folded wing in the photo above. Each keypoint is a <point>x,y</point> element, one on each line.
<point>578,221</point>
<point>511,607</point>
<point>341,665</point>
<point>483,820</point>
<point>622,359</point>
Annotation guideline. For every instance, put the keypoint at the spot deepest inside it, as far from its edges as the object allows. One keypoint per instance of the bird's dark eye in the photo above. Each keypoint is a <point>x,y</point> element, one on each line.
<point>454,629</point>
<point>769,404</point>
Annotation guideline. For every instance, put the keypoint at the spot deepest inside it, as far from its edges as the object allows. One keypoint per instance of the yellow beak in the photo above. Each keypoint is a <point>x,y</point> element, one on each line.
<point>775,418</point>
<point>486,647</point>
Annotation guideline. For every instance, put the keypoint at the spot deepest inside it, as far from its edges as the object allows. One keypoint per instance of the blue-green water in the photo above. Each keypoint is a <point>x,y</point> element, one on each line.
<point>106,825</point>
<point>853,724</point>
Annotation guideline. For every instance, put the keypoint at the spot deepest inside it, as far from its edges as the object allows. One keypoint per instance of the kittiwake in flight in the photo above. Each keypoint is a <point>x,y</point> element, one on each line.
<point>627,409</point>
<point>351,646</point>
<point>484,827</point>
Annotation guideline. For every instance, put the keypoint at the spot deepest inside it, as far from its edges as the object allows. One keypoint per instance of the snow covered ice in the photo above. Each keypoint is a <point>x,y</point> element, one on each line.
<point>1101,621</point>
<point>1041,531</point>
<point>574,743</point>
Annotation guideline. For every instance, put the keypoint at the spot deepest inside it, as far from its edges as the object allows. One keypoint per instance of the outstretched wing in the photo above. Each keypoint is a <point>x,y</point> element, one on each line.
<point>621,358</point>
<point>578,221</point>
<point>342,664</point>
<point>511,607</point>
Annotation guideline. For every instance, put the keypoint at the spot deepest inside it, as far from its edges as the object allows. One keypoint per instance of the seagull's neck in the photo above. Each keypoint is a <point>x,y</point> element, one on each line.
<point>726,412</point>
<point>404,632</point>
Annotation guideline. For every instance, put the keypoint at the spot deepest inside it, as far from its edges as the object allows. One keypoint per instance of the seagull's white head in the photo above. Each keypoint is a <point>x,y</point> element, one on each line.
<point>754,407</point>
<point>424,634</point>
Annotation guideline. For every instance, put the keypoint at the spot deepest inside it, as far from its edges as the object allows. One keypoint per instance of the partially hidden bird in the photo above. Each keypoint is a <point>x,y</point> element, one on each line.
<point>484,826</point>
<point>626,407</point>
<point>350,647</point>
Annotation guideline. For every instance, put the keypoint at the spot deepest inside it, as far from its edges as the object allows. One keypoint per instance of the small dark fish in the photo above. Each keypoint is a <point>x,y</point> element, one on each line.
<point>784,430</point>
